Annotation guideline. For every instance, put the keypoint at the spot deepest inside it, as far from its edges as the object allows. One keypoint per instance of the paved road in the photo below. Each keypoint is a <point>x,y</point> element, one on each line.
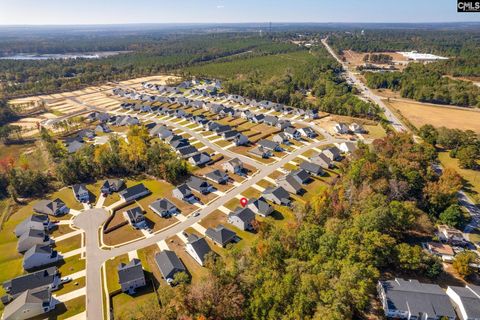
<point>395,122</point>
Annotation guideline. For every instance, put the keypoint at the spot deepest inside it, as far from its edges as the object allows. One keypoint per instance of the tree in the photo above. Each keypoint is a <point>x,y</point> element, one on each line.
<point>462,263</point>
<point>453,216</point>
<point>429,134</point>
<point>467,156</point>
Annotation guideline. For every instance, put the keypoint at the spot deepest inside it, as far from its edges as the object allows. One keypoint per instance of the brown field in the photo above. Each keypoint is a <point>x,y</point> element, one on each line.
<point>419,114</point>
<point>356,58</point>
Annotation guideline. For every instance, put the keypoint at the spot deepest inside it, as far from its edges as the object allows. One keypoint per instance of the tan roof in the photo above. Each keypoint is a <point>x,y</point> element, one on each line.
<point>440,248</point>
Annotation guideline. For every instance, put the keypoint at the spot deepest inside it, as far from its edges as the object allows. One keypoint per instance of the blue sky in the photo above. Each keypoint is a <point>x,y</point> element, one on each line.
<point>221,11</point>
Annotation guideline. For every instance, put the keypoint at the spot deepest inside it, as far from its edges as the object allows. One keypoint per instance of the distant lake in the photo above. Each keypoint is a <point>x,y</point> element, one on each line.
<point>58,56</point>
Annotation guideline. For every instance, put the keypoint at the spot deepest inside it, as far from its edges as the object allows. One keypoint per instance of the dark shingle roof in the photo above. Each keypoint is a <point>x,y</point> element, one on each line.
<point>131,271</point>
<point>168,263</point>
<point>220,234</point>
<point>32,280</point>
<point>161,205</point>
<point>134,191</point>
<point>200,246</point>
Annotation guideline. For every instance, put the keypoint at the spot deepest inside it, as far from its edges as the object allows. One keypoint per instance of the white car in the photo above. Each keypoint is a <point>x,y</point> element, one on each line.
<point>65,279</point>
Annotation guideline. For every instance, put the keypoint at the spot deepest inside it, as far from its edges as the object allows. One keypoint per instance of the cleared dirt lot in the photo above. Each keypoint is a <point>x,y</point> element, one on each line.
<point>419,114</point>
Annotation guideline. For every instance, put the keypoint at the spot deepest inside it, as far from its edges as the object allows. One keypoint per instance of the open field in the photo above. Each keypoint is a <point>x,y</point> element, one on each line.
<point>420,114</point>
<point>472,177</point>
<point>356,58</point>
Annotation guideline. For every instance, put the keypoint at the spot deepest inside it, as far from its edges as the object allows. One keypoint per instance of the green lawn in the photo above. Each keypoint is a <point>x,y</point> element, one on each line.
<point>126,306</point>
<point>71,286</point>
<point>472,177</point>
<point>72,265</point>
<point>73,307</point>
<point>69,244</point>
<point>111,271</point>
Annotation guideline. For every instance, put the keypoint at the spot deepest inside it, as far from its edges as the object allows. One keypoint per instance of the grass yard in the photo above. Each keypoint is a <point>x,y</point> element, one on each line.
<point>251,193</point>
<point>126,306</point>
<point>59,230</point>
<point>71,286</point>
<point>472,177</point>
<point>111,199</point>
<point>196,271</point>
<point>66,194</point>
<point>374,132</point>
<point>67,309</point>
<point>72,265</point>
<point>438,116</point>
<point>69,244</point>
<point>111,271</point>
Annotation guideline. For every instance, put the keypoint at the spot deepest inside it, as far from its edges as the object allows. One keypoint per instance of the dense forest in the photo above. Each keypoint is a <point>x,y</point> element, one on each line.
<point>426,84</point>
<point>326,264</point>
<point>24,77</point>
<point>288,78</point>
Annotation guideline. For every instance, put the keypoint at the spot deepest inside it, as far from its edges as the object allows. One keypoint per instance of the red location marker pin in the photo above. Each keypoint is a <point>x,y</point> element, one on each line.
<point>243,202</point>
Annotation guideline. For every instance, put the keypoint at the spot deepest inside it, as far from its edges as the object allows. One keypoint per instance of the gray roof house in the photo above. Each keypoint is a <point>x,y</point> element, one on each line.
<point>333,153</point>
<point>292,133</point>
<point>220,235</point>
<point>261,152</point>
<point>184,193</point>
<point>280,138</point>
<point>199,159</point>
<point>242,218</point>
<point>234,165</point>
<point>131,276</point>
<point>312,168</point>
<point>198,248</point>
<point>29,304</point>
<point>410,299</point>
<point>322,160</point>
<point>46,278</point>
<point>270,120</point>
<point>258,118</point>
<point>466,301</point>
<point>302,176</point>
<point>347,147</point>
<point>217,176</point>
<point>269,145</point>
<point>241,140</point>
<point>111,185</point>
<point>54,207</point>
<point>134,192</point>
<point>260,206</point>
<point>135,218</point>
<point>169,264</point>
<point>289,183</point>
<point>38,256</point>
<point>163,207</point>
<point>187,152</point>
<point>200,185</point>
<point>277,195</point>
<point>35,222</point>
<point>164,133</point>
<point>307,132</point>
<point>81,193</point>
<point>74,146</point>
<point>31,238</point>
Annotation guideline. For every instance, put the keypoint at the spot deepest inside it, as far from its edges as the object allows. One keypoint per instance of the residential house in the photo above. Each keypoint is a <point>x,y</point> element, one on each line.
<point>200,185</point>
<point>179,143</point>
<point>466,301</point>
<point>230,135</point>
<point>198,249</point>
<point>333,153</point>
<point>444,251</point>
<point>164,133</point>
<point>184,193</point>
<point>280,138</point>
<point>292,133</point>
<point>307,132</point>
<point>356,128</point>
<point>234,165</point>
<point>31,303</point>
<point>277,195</point>
<point>135,192</point>
<point>241,140</point>
<point>269,145</point>
<point>340,128</point>
<point>169,265</point>
<point>32,238</point>
<point>135,218</point>
<point>131,276</point>
<point>217,176</point>
<point>270,120</point>
<point>81,192</point>
<point>54,207</point>
<point>289,183</point>
<point>74,146</point>
<point>450,235</point>
<point>258,118</point>
<point>312,168</point>
<point>322,160</point>
<point>242,218</point>
<point>33,222</point>
<point>261,152</point>
<point>102,128</point>
<point>302,176</point>
<point>200,159</point>
<point>46,278</point>
<point>220,235</point>
<point>410,299</point>
<point>111,185</point>
<point>260,206</point>
<point>187,152</point>
<point>347,147</point>
<point>39,256</point>
<point>283,124</point>
<point>163,207</point>
<point>221,129</point>
<point>311,114</point>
